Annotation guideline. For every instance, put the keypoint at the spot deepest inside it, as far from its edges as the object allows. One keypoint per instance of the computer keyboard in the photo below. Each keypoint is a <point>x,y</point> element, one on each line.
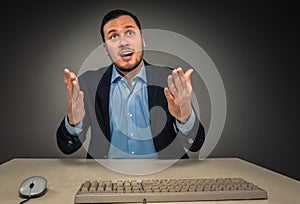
<point>168,190</point>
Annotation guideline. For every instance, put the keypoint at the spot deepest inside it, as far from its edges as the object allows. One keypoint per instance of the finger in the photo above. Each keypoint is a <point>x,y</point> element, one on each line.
<point>76,89</point>
<point>73,76</point>
<point>66,70</point>
<point>67,76</point>
<point>80,97</point>
<point>171,85</point>
<point>74,85</point>
<point>188,75</point>
<point>69,85</point>
<point>182,77</point>
<point>176,80</point>
<point>169,96</point>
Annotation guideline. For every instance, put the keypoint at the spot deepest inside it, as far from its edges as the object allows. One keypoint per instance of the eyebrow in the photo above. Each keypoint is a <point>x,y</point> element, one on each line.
<point>114,30</point>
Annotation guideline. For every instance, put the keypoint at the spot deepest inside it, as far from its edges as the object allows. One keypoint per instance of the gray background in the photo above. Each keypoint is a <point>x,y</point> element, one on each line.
<point>254,45</point>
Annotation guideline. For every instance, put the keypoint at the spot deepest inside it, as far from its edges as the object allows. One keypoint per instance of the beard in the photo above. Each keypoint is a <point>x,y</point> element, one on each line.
<point>129,67</point>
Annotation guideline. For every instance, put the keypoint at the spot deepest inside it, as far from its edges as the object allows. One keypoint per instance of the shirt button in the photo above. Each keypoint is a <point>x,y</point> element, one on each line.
<point>132,152</point>
<point>190,141</point>
<point>130,115</point>
<point>131,134</point>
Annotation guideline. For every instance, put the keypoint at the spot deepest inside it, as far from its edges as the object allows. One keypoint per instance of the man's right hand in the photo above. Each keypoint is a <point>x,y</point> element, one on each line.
<point>76,110</point>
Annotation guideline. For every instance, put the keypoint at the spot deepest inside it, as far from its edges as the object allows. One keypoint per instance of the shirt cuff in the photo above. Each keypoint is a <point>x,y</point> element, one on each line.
<point>73,130</point>
<point>186,127</point>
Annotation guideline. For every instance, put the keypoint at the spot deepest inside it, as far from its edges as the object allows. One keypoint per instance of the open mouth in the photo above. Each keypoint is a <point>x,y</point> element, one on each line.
<point>126,53</point>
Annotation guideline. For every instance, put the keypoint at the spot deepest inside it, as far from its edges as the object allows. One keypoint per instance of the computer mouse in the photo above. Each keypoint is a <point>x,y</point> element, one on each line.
<point>33,187</point>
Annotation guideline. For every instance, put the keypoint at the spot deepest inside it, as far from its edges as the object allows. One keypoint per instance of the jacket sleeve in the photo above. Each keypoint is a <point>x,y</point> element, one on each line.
<point>196,137</point>
<point>89,81</point>
<point>66,142</point>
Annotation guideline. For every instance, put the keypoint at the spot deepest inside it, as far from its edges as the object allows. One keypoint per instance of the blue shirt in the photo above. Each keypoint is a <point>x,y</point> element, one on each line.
<point>129,118</point>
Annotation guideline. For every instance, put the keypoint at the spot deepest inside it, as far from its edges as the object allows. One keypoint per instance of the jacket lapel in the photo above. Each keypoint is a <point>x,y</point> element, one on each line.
<point>102,102</point>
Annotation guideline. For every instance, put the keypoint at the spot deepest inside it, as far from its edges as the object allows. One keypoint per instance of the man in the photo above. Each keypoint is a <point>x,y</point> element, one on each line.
<point>133,109</point>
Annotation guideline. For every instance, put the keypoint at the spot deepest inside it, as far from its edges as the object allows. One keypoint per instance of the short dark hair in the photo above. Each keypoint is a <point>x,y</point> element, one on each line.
<point>115,14</point>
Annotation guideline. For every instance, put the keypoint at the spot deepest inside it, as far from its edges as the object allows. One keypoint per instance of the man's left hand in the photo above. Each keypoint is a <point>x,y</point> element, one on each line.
<point>179,94</point>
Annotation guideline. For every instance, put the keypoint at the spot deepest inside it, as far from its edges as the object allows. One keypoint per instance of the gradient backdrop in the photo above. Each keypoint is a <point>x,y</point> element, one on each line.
<point>254,45</point>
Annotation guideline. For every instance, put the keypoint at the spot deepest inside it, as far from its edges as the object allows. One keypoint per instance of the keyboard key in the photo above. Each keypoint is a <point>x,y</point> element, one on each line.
<point>164,190</point>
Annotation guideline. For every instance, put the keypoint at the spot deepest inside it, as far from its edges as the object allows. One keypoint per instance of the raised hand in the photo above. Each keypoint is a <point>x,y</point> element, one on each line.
<point>76,110</point>
<point>179,94</point>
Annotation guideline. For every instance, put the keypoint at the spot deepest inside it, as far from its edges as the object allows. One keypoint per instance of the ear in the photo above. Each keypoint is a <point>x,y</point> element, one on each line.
<point>144,43</point>
<point>106,52</point>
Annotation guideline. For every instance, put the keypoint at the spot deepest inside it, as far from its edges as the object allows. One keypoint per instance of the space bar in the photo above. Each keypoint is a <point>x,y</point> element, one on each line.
<point>168,196</point>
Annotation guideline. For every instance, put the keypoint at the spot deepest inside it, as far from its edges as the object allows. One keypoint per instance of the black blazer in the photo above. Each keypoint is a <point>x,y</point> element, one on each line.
<point>168,140</point>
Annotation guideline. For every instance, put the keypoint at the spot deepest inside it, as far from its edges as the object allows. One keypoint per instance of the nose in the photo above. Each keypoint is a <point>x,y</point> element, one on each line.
<point>123,42</point>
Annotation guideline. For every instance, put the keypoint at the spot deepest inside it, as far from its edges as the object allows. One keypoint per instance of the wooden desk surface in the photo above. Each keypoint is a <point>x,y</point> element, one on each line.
<point>65,176</point>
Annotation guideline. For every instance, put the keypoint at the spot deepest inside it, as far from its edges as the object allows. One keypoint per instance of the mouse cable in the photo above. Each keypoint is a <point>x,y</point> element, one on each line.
<point>25,200</point>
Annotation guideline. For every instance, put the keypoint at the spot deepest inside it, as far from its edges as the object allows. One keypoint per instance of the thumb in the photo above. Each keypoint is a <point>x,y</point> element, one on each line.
<point>188,74</point>
<point>168,95</point>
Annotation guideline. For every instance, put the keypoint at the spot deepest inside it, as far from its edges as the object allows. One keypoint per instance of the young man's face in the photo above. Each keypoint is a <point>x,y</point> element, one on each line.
<point>124,43</point>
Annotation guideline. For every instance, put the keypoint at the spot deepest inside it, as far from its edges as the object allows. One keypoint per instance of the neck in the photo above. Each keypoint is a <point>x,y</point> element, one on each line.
<point>129,74</point>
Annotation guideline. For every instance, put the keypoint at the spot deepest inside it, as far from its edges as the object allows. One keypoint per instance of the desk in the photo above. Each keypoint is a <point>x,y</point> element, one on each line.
<point>65,176</point>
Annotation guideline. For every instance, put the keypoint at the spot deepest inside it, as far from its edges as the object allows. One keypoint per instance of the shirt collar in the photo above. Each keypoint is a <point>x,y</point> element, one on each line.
<point>116,76</point>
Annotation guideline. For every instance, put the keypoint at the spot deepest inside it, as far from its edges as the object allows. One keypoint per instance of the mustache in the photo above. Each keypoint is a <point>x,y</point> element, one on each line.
<point>125,50</point>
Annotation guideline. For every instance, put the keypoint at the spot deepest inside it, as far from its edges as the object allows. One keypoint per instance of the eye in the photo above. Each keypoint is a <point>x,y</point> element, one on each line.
<point>113,37</point>
<point>130,33</point>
